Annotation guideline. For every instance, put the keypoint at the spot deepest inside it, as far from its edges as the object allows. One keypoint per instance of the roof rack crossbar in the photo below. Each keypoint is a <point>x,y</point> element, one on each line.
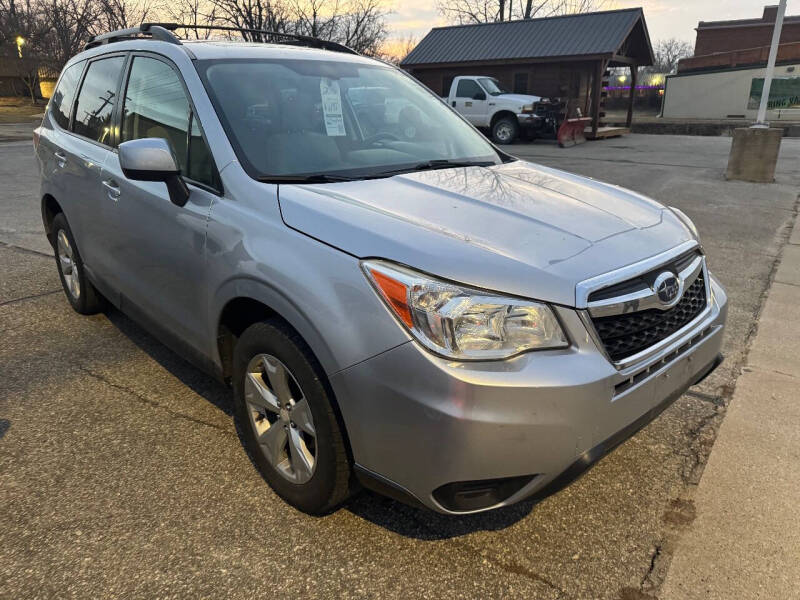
<point>164,32</point>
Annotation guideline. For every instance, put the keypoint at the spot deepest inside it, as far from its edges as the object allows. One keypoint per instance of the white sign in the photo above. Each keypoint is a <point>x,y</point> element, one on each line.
<point>332,106</point>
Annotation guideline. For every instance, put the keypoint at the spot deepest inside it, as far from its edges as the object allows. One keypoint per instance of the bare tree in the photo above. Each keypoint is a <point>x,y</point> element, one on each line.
<point>193,12</point>
<point>317,18</point>
<point>362,26</point>
<point>23,27</point>
<point>395,50</point>
<point>22,19</point>
<point>121,14</point>
<point>265,15</point>
<point>469,11</point>
<point>70,23</point>
<point>26,70</point>
<point>667,54</point>
<point>359,24</point>
<point>488,11</point>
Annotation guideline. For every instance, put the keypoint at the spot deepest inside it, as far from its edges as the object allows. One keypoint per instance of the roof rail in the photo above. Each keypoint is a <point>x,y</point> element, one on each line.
<point>164,32</point>
<point>291,38</point>
<point>157,31</point>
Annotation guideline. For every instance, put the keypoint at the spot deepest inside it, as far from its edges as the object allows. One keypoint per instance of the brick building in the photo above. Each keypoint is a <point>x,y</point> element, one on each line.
<point>727,36</point>
<point>745,42</point>
<point>724,79</point>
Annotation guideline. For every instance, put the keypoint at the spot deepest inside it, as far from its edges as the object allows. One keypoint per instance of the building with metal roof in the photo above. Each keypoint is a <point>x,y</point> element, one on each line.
<point>565,56</point>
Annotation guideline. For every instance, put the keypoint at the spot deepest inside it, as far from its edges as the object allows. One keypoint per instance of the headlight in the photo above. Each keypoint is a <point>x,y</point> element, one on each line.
<point>528,108</point>
<point>463,323</point>
<point>686,221</point>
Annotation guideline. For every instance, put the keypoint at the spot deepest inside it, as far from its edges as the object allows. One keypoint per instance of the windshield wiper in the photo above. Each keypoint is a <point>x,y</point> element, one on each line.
<point>316,178</point>
<point>431,165</point>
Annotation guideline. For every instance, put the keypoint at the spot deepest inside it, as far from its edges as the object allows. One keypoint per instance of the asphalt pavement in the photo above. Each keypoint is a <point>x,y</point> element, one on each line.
<point>121,474</point>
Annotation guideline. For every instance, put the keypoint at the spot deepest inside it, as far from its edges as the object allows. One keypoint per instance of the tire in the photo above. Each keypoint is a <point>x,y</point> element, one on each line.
<point>81,294</point>
<point>505,130</point>
<point>277,433</point>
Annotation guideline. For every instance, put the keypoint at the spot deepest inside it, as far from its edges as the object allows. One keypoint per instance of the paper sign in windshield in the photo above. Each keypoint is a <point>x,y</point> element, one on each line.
<point>332,107</point>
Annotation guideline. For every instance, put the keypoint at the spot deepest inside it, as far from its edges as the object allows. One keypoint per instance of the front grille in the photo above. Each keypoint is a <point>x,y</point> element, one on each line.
<point>629,333</point>
<point>643,282</point>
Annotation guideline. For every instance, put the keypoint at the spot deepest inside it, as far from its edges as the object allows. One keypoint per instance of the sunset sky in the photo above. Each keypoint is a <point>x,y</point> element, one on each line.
<point>665,18</point>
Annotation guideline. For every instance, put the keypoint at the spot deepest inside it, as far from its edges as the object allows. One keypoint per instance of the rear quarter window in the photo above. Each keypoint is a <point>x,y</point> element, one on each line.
<point>97,98</point>
<point>64,96</point>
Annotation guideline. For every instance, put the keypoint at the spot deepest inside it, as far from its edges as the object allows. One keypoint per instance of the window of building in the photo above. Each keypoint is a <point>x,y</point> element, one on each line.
<point>97,98</point>
<point>64,96</point>
<point>520,83</point>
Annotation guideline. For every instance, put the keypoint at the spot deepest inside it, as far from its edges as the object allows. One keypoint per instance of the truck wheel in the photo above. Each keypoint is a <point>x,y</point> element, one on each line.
<point>505,130</point>
<point>285,417</point>
<point>82,295</point>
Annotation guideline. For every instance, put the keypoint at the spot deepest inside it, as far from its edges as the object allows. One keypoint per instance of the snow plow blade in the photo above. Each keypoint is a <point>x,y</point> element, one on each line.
<point>571,131</point>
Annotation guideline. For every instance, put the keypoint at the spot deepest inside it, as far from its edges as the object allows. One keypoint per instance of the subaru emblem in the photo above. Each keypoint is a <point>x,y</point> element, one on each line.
<point>667,287</point>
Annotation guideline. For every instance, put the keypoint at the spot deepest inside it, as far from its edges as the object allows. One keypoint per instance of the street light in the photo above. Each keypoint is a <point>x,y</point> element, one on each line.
<point>20,44</point>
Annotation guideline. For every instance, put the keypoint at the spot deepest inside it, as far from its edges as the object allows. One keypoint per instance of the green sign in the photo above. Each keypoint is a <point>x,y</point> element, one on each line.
<point>784,93</point>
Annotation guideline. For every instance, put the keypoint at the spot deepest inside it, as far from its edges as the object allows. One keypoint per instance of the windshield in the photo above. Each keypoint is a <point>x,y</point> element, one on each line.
<point>331,118</point>
<point>492,86</point>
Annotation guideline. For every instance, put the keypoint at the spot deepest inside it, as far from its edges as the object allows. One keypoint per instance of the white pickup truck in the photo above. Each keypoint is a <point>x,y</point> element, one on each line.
<point>485,104</point>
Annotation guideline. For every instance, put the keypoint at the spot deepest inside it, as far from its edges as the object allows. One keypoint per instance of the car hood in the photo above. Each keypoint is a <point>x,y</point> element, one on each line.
<point>518,228</point>
<point>521,98</point>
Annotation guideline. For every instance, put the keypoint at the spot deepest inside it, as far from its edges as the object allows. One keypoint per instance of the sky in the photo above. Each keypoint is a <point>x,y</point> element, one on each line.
<point>665,18</point>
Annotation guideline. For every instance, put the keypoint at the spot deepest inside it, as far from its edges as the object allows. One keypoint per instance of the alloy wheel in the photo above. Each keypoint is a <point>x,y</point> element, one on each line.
<point>504,132</point>
<point>281,418</point>
<point>66,263</point>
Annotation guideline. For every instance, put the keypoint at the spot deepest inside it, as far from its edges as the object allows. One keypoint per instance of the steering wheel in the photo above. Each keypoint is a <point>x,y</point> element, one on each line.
<point>381,135</point>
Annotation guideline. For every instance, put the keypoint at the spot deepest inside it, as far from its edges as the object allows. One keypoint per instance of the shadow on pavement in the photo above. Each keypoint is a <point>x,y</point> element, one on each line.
<point>198,381</point>
<point>384,512</point>
<point>427,525</point>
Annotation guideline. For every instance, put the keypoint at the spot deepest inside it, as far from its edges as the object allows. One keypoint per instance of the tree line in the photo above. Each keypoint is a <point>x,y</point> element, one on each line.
<point>52,31</point>
<point>42,35</point>
<point>466,12</point>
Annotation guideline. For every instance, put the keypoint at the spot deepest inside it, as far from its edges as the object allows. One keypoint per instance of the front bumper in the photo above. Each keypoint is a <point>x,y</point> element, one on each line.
<point>529,120</point>
<point>417,422</point>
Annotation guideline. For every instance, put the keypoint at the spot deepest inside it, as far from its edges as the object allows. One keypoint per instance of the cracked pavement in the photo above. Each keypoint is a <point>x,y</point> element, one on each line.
<point>121,474</point>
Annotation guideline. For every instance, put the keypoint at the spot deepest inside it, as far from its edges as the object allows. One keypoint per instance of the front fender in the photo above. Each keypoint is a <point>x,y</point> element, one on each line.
<point>320,291</point>
<point>283,306</point>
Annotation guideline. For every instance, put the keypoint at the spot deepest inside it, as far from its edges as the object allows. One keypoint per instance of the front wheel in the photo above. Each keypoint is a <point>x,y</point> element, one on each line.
<point>285,416</point>
<point>505,130</point>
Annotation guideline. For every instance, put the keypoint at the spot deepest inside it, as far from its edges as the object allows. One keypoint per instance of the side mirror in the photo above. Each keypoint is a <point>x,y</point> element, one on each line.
<point>479,96</point>
<point>152,159</point>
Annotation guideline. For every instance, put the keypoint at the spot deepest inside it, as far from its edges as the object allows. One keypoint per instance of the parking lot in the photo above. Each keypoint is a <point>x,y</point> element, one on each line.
<point>121,473</point>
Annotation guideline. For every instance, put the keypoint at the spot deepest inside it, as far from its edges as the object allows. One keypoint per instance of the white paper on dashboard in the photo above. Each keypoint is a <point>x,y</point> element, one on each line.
<point>332,107</point>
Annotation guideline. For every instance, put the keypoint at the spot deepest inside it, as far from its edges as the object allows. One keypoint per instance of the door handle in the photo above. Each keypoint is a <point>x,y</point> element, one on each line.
<point>61,159</point>
<point>112,188</point>
<point>454,103</point>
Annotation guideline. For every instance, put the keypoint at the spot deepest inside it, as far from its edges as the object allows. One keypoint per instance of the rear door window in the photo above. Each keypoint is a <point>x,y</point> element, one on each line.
<point>64,96</point>
<point>97,98</point>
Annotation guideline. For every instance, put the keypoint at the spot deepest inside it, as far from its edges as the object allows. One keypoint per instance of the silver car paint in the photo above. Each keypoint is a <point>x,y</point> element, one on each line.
<point>518,228</point>
<point>415,419</point>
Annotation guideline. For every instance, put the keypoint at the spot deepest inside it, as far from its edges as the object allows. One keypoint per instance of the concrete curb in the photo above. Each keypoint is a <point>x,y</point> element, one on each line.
<point>745,541</point>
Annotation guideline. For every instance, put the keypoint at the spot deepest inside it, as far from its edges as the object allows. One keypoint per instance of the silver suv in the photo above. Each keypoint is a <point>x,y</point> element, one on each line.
<point>396,302</point>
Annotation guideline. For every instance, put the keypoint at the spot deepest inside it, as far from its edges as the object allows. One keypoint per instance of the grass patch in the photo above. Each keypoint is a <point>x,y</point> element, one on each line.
<point>18,109</point>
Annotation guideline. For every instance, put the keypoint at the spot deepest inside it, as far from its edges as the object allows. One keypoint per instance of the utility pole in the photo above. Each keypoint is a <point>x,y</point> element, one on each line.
<point>761,119</point>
